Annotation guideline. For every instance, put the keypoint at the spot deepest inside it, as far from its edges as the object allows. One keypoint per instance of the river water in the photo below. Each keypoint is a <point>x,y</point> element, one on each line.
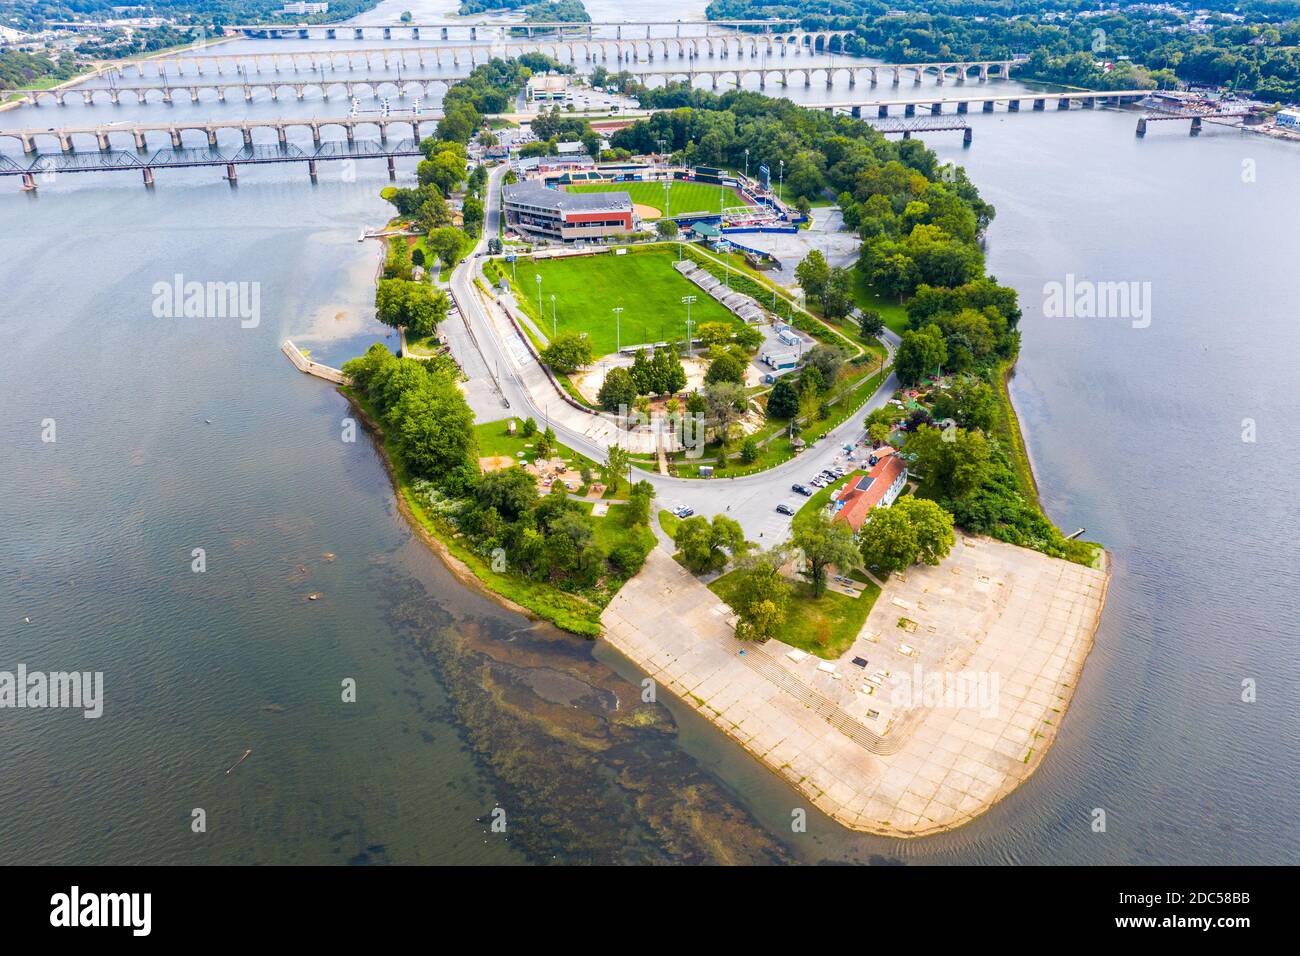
<point>174,434</point>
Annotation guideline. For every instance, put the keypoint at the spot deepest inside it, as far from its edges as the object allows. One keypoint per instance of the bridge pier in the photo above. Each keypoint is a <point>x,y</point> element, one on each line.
<point>357,33</point>
<point>1040,104</point>
<point>388,33</point>
<point>907,134</point>
<point>415,33</point>
<point>148,177</point>
<point>87,97</point>
<point>315,135</point>
<point>988,106</point>
<point>248,94</point>
<point>115,97</point>
<point>962,107</point>
<point>967,135</point>
<point>1062,104</point>
<point>352,133</point>
<point>909,109</point>
<point>65,142</point>
<point>248,137</point>
<point>194,94</point>
<point>139,140</point>
<point>176,138</point>
<point>856,112</point>
<point>392,168</point>
<point>311,169</point>
<point>231,174</point>
<point>1013,106</point>
<point>300,91</point>
<point>936,109</point>
<point>1196,126</point>
<point>898,75</point>
<point>444,33</point>
<point>280,135</point>
<point>331,34</point>
<point>1142,126</point>
<point>103,141</point>
<point>882,111</point>
<point>167,94</point>
<point>29,183</point>
<point>221,94</point>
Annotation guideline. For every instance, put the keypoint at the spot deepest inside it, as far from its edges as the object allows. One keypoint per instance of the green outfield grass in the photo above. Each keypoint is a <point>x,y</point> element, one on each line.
<point>588,288</point>
<point>682,196</point>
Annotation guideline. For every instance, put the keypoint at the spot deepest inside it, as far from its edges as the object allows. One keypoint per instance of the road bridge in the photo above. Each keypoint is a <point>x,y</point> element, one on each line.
<point>447,30</point>
<point>1087,99</point>
<point>104,135</point>
<point>167,92</point>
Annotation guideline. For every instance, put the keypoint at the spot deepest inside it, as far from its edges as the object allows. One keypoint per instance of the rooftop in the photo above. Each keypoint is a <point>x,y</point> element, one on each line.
<point>859,497</point>
<point>535,194</point>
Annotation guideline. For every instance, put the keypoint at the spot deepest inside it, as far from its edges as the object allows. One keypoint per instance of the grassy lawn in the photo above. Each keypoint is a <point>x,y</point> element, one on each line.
<point>669,522</point>
<point>494,441</point>
<point>586,289</point>
<point>825,626</point>
<point>683,197</point>
<point>614,529</point>
<point>891,313</point>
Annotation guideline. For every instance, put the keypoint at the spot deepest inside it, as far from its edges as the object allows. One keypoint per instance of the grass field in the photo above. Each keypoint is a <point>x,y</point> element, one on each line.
<point>587,289</point>
<point>682,197</point>
<point>825,626</point>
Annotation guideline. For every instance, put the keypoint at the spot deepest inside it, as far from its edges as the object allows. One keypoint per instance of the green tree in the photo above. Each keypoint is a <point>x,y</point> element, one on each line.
<point>568,352</point>
<point>510,492</point>
<point>618,391</point>
<point>760,599</point>
<point>727,367</point>
<point>414,305</point>
<point>783,400</point>
<point>871,324</point>
<point>703,545</point>
<point>837,300</point>
<point>922,352</point>
<point>666,228</point>
<point>813,274</point>
<point>612,472</point>
<point>723,403</point>
<point>913,530</point>
<point>953,461</point>
<point>825,543</point>
<point>749,451</point>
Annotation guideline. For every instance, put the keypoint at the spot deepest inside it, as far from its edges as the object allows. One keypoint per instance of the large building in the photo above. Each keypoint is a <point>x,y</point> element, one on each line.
<point>532,208</point>
<point>878,488</point>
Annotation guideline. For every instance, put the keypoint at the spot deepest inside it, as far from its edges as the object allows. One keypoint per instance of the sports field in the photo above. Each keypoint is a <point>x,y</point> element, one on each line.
<point>682,196</point>
<point>588,288</point>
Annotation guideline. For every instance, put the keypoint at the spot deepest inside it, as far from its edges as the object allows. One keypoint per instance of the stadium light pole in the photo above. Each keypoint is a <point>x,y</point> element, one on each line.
<point>688,299</point>
<point>552,316</point>
<point>666,185</point>
<point>539,296</point>
<point>618,329</point>
<point>747,165</point>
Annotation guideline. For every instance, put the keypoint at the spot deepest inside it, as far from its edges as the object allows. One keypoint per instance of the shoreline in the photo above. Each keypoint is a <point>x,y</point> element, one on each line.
<point>459,569</point>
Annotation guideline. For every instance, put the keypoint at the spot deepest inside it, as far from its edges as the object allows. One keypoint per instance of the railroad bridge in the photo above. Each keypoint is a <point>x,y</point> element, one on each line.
<point>104,135</point>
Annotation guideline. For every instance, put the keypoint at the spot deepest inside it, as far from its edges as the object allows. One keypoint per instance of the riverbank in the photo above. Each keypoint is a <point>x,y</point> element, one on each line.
<point>534,601</point>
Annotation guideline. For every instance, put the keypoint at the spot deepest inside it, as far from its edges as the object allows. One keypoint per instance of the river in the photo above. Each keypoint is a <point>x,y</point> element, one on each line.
<point>176,434</point>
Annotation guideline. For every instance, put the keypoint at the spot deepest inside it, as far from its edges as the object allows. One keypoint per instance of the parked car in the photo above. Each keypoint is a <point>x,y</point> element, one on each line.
<point>684,512</point>
<point>802,489</point>
<point>785,509</point>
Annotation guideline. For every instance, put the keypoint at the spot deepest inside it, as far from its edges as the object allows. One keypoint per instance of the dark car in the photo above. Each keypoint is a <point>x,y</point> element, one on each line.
<point>785,509</point>
<point>802,489</point>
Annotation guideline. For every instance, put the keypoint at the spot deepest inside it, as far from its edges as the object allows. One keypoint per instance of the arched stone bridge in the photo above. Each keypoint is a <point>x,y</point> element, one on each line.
<point>105,135</point>
<point>427,85</point>
<point>169,92</point>
<point>590,51</point>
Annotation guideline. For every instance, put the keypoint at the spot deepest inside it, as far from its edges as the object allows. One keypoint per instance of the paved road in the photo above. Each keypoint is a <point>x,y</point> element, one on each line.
<point>480,344</point>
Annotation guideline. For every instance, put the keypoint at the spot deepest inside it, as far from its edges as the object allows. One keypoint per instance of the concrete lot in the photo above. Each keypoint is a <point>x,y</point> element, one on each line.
<point>1010,628</point>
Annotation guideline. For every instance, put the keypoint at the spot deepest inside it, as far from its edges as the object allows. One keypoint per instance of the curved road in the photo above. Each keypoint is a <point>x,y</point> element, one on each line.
<point>497,373</point>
